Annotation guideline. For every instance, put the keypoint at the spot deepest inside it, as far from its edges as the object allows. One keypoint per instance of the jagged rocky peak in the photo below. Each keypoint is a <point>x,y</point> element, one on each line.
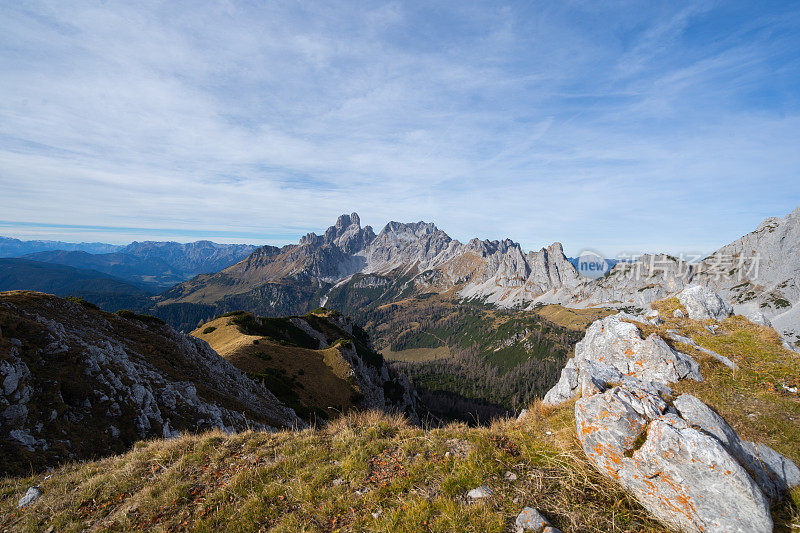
<point>412,229</point>
<point>347,234</point>
<point>487,247</point>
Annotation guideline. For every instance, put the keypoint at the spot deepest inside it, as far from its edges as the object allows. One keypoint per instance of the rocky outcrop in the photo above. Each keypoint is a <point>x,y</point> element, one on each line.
<point>682,461</point>
<point>682,475</point>
<point>757,273</point>
<point>78,382</point>
<point>704,304</point>
<point>613,351</point>
<point>773,472</point>
<point>529,519</point>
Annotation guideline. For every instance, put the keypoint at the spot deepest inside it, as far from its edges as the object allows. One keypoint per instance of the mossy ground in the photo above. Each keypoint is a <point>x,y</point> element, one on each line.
<point>364,472</point>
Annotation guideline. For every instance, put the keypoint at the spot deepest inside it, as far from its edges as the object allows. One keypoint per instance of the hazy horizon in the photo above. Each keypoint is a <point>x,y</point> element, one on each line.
<point>569,249</point>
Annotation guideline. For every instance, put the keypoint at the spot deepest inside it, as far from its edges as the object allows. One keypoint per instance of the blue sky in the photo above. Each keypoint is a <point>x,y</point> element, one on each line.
<point>618,126</point>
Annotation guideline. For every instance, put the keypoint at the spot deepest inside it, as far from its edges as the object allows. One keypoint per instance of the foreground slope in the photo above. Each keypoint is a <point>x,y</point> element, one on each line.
<point>320,364</point>
<point>76,382</point>
<point>366,472</point>
<point>376,473</point>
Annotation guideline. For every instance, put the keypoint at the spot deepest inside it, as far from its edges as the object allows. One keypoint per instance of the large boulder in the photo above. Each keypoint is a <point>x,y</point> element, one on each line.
<point>682,475</point>
<point>702,303</point>
<point>682,461</point>
<point>774,473</point>
<point>613,351</point>
<point>757,317</point>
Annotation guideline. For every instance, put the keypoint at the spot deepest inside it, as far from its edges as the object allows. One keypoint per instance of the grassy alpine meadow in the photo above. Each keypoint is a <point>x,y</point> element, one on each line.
<point>364,472</point>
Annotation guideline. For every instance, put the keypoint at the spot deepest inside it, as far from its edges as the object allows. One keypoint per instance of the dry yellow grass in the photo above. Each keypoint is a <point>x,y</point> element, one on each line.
<point>318,378</point>
<point>417,355</point>
<point>575,319</point>
<point>363,472</point>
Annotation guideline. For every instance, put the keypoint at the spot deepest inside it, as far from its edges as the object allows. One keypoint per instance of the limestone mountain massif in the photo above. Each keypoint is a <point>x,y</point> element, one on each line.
<point>354,267</point>
<point>758,274</point>
<point>401,260</point>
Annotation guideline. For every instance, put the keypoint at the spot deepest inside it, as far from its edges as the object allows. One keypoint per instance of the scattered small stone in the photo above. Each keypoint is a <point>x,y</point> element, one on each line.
<point>33,494</point>
<point>338,481</point>
<point>678,313</point>
<point>511,476</point>
<point>522,415</point>
<point>15,342</point>
<point>481,492</point>
<point>531,519</point>
<point>793,390</point>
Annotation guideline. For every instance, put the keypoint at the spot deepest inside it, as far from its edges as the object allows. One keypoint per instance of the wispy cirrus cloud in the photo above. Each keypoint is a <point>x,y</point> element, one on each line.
<point>662,128</point>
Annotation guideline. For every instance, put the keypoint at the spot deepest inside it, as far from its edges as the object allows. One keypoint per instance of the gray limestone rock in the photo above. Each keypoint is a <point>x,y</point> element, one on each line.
<point>683,475</point>
<point>674,335</point>
<point>529,519</point>
<point>783,471</point>
<point>773,483</point>
<point>703,303</point>
<point>614,351</point>
<point>757,317</point>
<point>688,479</point>
<point>481,492</point>
<point>32,494</point>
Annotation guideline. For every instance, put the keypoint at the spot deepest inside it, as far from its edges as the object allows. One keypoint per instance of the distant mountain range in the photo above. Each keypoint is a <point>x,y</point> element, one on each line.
<point>17,248</point>
<point>402,260</point>
<point>153,266</point>
<point>103,290</point>
<point>350,268</point>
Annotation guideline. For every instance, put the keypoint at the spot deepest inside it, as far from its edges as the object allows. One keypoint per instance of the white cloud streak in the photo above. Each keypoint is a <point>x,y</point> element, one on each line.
<point>616,129</point>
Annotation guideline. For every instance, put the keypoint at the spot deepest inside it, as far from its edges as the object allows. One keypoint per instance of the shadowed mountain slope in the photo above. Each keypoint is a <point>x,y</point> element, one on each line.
<point>77,382</point>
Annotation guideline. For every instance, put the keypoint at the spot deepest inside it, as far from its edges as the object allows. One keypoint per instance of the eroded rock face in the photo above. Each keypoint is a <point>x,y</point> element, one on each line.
<point>772,471</point>
<point>684,476</point>
<point>683,462</point>
<point>702,303</point>
<point>613,351</point>
<point>83,383</point>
